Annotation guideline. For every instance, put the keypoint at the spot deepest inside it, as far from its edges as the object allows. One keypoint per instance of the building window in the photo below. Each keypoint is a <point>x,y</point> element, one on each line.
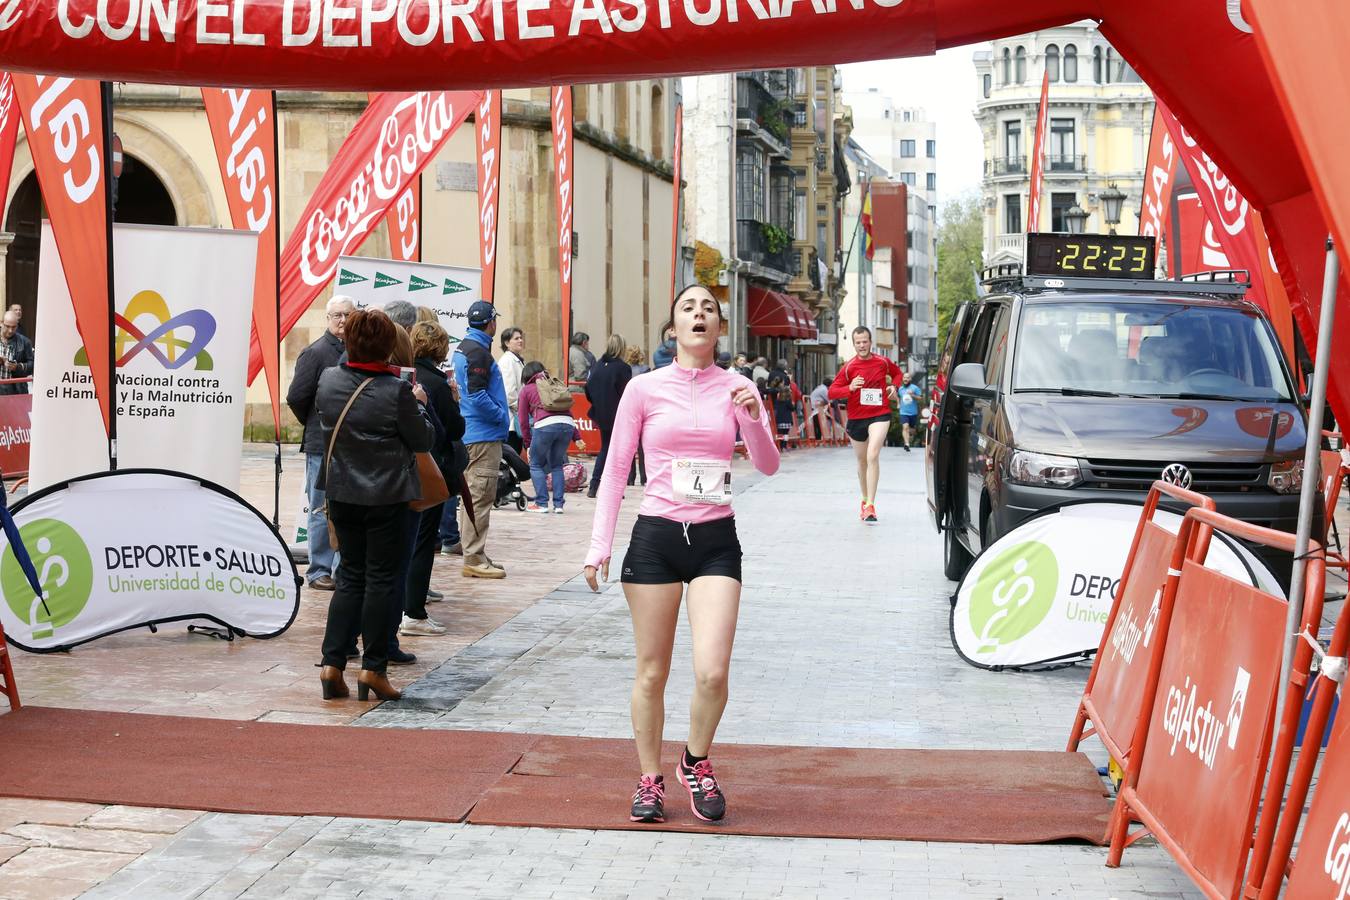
<point>658,116</point>
<point>622,126</point>
<point>1063,147</point>
<point>1007,66</point>
<point>932,181</point>
<point>909,178</point>
<point>930,149</point>
<point>1012,141</point>
<point>885,113</point>
<point>907,149</point>
<point>750,188</point>
<point>799,217</point>
<point>1097,64</point>
<point>1110,64</point>
<point>783,194</point>
<point>988,85</point>
<point>1052,61</point>
<point>906,115</point>
<point>1020,59</point>
<point>1070,63</point>
<point>1012,213</point>
<point>1059,205</point>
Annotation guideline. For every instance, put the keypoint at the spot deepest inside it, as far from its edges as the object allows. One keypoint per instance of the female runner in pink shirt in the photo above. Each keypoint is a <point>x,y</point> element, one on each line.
<point>686,416</point>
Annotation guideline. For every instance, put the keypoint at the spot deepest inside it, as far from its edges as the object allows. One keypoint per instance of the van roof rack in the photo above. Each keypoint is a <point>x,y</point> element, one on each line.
<point>1228,283</point>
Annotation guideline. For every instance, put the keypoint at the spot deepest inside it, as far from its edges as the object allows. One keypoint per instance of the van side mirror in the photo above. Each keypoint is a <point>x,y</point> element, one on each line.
<point>969,382</point>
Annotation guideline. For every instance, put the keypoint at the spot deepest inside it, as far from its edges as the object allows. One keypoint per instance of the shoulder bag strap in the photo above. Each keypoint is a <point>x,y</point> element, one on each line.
<point>332,441</point>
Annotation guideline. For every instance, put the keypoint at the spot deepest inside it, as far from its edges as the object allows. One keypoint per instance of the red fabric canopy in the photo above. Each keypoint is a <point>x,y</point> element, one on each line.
<point>772,314</point>
<point>805,318</point>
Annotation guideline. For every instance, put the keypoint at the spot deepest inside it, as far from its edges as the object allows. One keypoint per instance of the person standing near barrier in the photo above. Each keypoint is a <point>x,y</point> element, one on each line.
<point>909,394</point>
<point>16,353</point>
<point>603,389</point>
<point>487,418</point>
<point>686,416</point>
<point>547,427</point>
<point>868,382</point>
<point>372,423</point>
<point>314,360</point>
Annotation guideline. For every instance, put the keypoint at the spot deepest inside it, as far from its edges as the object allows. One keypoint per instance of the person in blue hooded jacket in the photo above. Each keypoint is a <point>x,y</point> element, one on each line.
<point>487,420</point>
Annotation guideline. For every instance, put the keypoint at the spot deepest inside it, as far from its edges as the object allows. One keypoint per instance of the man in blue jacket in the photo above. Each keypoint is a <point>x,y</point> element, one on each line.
<point>487,418</point>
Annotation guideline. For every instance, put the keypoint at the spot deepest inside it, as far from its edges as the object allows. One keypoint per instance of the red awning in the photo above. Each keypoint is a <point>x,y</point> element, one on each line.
<point>806,318</point>
<point>772,314</point>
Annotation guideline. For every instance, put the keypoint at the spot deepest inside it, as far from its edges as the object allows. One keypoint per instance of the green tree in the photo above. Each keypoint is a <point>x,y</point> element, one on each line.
<point>960,255</point>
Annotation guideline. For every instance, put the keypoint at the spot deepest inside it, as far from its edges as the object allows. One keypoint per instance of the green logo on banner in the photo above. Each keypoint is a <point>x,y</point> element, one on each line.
<point>1013,595</point>
<point>346,277</point>
<point>383,281</point>
<point>65,571</point>
<point>453,287</point>
<point>419,284</point>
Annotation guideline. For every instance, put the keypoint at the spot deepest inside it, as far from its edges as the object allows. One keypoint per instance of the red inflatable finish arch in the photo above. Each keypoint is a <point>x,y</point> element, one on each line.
<point>1194,53</point>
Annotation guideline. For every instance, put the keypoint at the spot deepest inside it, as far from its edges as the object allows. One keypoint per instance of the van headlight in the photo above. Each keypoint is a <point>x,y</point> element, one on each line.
<point>1044,470</point>
<point>1286,477</point>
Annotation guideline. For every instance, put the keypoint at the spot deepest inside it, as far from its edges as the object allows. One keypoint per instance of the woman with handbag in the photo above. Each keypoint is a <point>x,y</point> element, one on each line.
<point>547,434</point>
<point>373,425</point>
<point>431,345</point>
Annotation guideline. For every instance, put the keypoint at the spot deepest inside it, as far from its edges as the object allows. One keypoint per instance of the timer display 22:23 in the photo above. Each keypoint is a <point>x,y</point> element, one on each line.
<point>1091,258</point>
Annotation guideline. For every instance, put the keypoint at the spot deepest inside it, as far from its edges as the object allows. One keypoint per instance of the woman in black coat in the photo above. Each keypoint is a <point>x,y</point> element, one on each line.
<point>369,475</point>
<point>609,377</point>
<point>431,345</point>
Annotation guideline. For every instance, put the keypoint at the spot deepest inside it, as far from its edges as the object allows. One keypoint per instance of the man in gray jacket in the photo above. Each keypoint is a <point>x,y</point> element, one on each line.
<point>321,355</point>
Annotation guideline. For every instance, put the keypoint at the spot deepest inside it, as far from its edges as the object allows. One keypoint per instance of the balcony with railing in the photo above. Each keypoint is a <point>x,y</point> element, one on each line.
<point>1005,165</point>
<point>1069,163</point>
<point>766,245</point>
<point>762,114</point>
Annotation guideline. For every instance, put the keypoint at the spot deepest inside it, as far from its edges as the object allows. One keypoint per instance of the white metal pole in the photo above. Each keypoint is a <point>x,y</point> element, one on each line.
<point>1312,482</point>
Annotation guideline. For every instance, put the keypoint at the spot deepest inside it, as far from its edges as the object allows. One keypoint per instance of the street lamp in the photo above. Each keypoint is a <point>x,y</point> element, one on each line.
<point>1075,217</point>
<point>1112,199</point>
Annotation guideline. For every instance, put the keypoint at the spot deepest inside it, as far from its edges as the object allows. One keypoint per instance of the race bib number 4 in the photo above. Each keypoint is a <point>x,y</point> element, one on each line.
<point>870,396</point>
<point>705,481</point>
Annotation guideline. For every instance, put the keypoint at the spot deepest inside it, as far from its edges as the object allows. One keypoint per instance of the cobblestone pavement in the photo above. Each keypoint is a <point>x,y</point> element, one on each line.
<point>843,641</point>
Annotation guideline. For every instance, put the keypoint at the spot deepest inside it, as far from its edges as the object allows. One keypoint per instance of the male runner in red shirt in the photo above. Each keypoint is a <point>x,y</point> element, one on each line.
<point>868,381</point>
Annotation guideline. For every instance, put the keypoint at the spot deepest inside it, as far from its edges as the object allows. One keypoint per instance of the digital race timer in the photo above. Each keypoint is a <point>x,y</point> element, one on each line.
<point>1091,256</point>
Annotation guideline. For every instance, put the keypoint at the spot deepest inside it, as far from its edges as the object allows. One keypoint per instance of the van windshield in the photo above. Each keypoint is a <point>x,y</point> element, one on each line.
<point>1153,349</point>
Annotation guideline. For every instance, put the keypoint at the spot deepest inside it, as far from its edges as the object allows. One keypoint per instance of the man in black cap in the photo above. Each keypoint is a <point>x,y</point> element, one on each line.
<point>487,419</point>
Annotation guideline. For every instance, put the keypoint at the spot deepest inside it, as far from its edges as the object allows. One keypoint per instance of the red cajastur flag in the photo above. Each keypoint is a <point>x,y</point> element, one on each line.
<point>675,200</point>
<point>1038,158</point>
<point>390,145</point>
<point>64,122</point>
<point>562,177</point>
<point>243,127</point>
<point>1160,176</point>
<point>9,130</point>
<point>488,140</point>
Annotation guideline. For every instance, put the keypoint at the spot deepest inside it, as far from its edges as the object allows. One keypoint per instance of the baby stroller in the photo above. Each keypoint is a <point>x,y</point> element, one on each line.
<point>511,473</point>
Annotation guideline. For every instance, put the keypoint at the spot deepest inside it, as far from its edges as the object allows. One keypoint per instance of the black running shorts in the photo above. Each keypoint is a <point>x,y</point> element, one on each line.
<point>857,428</point>
<point>663,551</point>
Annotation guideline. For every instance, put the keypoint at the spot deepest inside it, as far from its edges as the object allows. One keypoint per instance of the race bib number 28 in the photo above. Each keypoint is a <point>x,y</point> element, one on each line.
<point>706,481</point>
<point>870,396</point>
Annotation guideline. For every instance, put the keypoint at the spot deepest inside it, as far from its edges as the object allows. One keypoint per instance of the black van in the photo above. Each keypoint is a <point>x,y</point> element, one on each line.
<point>1059,389</point>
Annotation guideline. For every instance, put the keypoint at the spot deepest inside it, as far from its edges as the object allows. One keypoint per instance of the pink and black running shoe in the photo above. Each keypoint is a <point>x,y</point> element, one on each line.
<point>705,795</point>
<point>649,801</point>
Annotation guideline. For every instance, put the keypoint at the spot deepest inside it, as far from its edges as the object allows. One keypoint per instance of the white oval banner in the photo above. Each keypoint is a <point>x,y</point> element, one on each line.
<point>1042,592</point>
<point>127,549</point>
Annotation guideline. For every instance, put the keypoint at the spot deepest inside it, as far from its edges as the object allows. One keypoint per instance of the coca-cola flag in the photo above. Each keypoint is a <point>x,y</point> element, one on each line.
<point>1160,175</point>
<point>1038,158</point>
<point>405,224</point>
<point>561,109</point>
<point>675,201</point>
<point>392,142</point>
<point>488,139</point>
<point>9,130</point>
<point>243,126</point>
<point>63,119</point>
<point>1235,225</point>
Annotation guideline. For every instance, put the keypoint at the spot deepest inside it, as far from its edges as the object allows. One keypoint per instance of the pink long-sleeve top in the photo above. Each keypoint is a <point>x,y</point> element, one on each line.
<point>678,414</point>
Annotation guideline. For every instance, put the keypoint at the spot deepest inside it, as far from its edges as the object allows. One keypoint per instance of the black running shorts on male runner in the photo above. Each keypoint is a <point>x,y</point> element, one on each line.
<point>663,551</point>
<point>857,428</point>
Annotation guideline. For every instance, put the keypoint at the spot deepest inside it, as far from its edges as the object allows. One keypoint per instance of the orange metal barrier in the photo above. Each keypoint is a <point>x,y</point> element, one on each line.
<point>1195,776</point>
<point>1334,472</point>
<point>1322,866</point>
<point>1125,669</point>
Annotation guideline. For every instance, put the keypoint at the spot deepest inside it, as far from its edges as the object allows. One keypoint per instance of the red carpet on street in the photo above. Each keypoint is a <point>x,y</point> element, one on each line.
<point>492,778</point>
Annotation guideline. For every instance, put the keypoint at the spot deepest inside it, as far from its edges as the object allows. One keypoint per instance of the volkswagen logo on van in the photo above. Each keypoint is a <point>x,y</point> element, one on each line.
<point>1178,475</point>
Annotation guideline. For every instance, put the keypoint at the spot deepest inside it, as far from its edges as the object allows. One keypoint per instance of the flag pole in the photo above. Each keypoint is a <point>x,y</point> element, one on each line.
<point>109,187</point>
<point>276,240</point>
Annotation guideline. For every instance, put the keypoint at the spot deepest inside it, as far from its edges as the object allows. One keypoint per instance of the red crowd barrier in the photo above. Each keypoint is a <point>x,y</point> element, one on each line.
<point>1194,776</point>
<point>16,412</point>
<point>1125,668</point>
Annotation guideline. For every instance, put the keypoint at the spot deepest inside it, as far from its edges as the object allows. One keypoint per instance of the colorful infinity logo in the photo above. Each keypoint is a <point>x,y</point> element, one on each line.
<point>161,342</point>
